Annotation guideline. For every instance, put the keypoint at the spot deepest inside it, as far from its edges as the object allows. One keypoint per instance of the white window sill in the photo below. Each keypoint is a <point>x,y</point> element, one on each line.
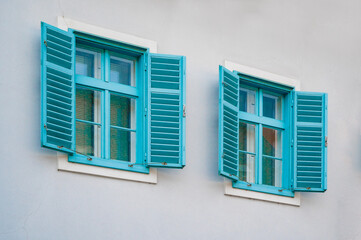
<point>230,191</point>
<point>65,165</point>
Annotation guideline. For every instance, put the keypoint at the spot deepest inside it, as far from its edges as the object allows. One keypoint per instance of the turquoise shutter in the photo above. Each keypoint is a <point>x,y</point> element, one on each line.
<point>228,124</point>
<point>166,111</point>
<point>57,88</point>
<point>310,142</point>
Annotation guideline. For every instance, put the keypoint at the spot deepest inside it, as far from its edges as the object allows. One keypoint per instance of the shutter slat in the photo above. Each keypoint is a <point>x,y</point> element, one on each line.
<point>59,128</point>
<point>58,88</point>
<point>167,72</point>
<point>56,76</point>
<point>310,131</point>
<point>228,124</point>
<point>59,122</point>
<point>165,120</point>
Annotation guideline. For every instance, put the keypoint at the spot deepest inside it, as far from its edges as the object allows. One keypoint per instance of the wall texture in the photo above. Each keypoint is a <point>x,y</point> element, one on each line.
<point>316,42</point>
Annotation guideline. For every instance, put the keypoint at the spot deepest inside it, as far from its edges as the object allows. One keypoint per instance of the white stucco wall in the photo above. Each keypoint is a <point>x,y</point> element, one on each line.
<point>316,42</point>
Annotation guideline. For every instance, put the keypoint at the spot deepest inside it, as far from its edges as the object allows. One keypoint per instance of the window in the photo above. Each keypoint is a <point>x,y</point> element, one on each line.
<point>272,138</point>
<point>111,104</point>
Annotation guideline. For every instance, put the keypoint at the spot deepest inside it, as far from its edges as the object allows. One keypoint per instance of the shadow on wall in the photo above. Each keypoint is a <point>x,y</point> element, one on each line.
<point>212,139</point>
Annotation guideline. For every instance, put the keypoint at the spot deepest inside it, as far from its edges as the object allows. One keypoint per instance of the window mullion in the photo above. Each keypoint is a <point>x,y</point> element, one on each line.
<point>260,102</point>
<point>106,114</point>
<point>259,153</point>
<point>106,66</point>
<point>106,124</point>
<point>259,136</point>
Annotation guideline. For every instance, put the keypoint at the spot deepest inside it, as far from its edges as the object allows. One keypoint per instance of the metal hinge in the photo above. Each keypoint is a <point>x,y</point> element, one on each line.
<point>292,143</point>
<point>145,111</point>
<point>184,110</point>
<point>326,139</point>
<point>46,44</point>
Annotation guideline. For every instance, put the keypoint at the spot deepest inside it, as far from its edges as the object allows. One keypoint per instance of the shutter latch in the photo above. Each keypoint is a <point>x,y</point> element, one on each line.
<point>184,110</point>
<point>46,44</point>
<point>326,139</point>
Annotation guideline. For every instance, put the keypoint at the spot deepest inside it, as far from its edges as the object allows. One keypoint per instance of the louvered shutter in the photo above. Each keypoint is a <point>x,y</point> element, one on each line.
<point>166,111</point>
<point>310,136</point>
<point>228,124</point>
<point>57,88</point>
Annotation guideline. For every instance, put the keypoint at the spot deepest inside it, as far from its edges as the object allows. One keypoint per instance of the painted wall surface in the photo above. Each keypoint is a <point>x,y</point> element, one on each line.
<point>316,42</point>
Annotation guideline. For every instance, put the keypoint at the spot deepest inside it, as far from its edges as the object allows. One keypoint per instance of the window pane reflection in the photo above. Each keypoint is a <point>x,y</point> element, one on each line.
<point>88,63</point>
<point>272,106</point>
<point>247,100</point>
<point>122,70</point>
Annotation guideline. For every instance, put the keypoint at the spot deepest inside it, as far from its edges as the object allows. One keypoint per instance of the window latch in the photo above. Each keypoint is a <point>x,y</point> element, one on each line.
<point>326,139</point>
<point>184,110</point>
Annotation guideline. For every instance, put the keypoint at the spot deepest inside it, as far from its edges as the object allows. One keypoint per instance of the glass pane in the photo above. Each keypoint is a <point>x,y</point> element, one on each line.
<point>247,100</point>
<point>272,172</point>
<point>88,63</point>
<point>88,139</point>
<point>247,137</point>
<point>247,167</point>
<point>122,145</point>
<point>272,106</point>
<point>272,142</point>
<point>88,105</point>
<point>122,111</point>
<point>122,71</point>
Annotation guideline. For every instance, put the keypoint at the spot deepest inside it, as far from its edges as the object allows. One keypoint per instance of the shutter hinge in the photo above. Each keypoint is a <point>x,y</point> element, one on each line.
<point>145,111</point>
<point>45,127</point>
<point>326,141</point>
<point>145,67</point>
<point>46,44</point>
<point>292,103</point>
<point>292,143</point>
<point>184,110</point>
<point>145,157</point>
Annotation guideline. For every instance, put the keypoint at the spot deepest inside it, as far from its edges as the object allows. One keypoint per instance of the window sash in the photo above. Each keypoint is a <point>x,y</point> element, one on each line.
<point>281,125</point>
<point>106,87</point>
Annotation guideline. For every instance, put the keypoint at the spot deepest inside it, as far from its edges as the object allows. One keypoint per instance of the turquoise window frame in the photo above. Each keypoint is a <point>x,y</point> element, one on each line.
<point>106,87</point>
<point>285,125</point>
